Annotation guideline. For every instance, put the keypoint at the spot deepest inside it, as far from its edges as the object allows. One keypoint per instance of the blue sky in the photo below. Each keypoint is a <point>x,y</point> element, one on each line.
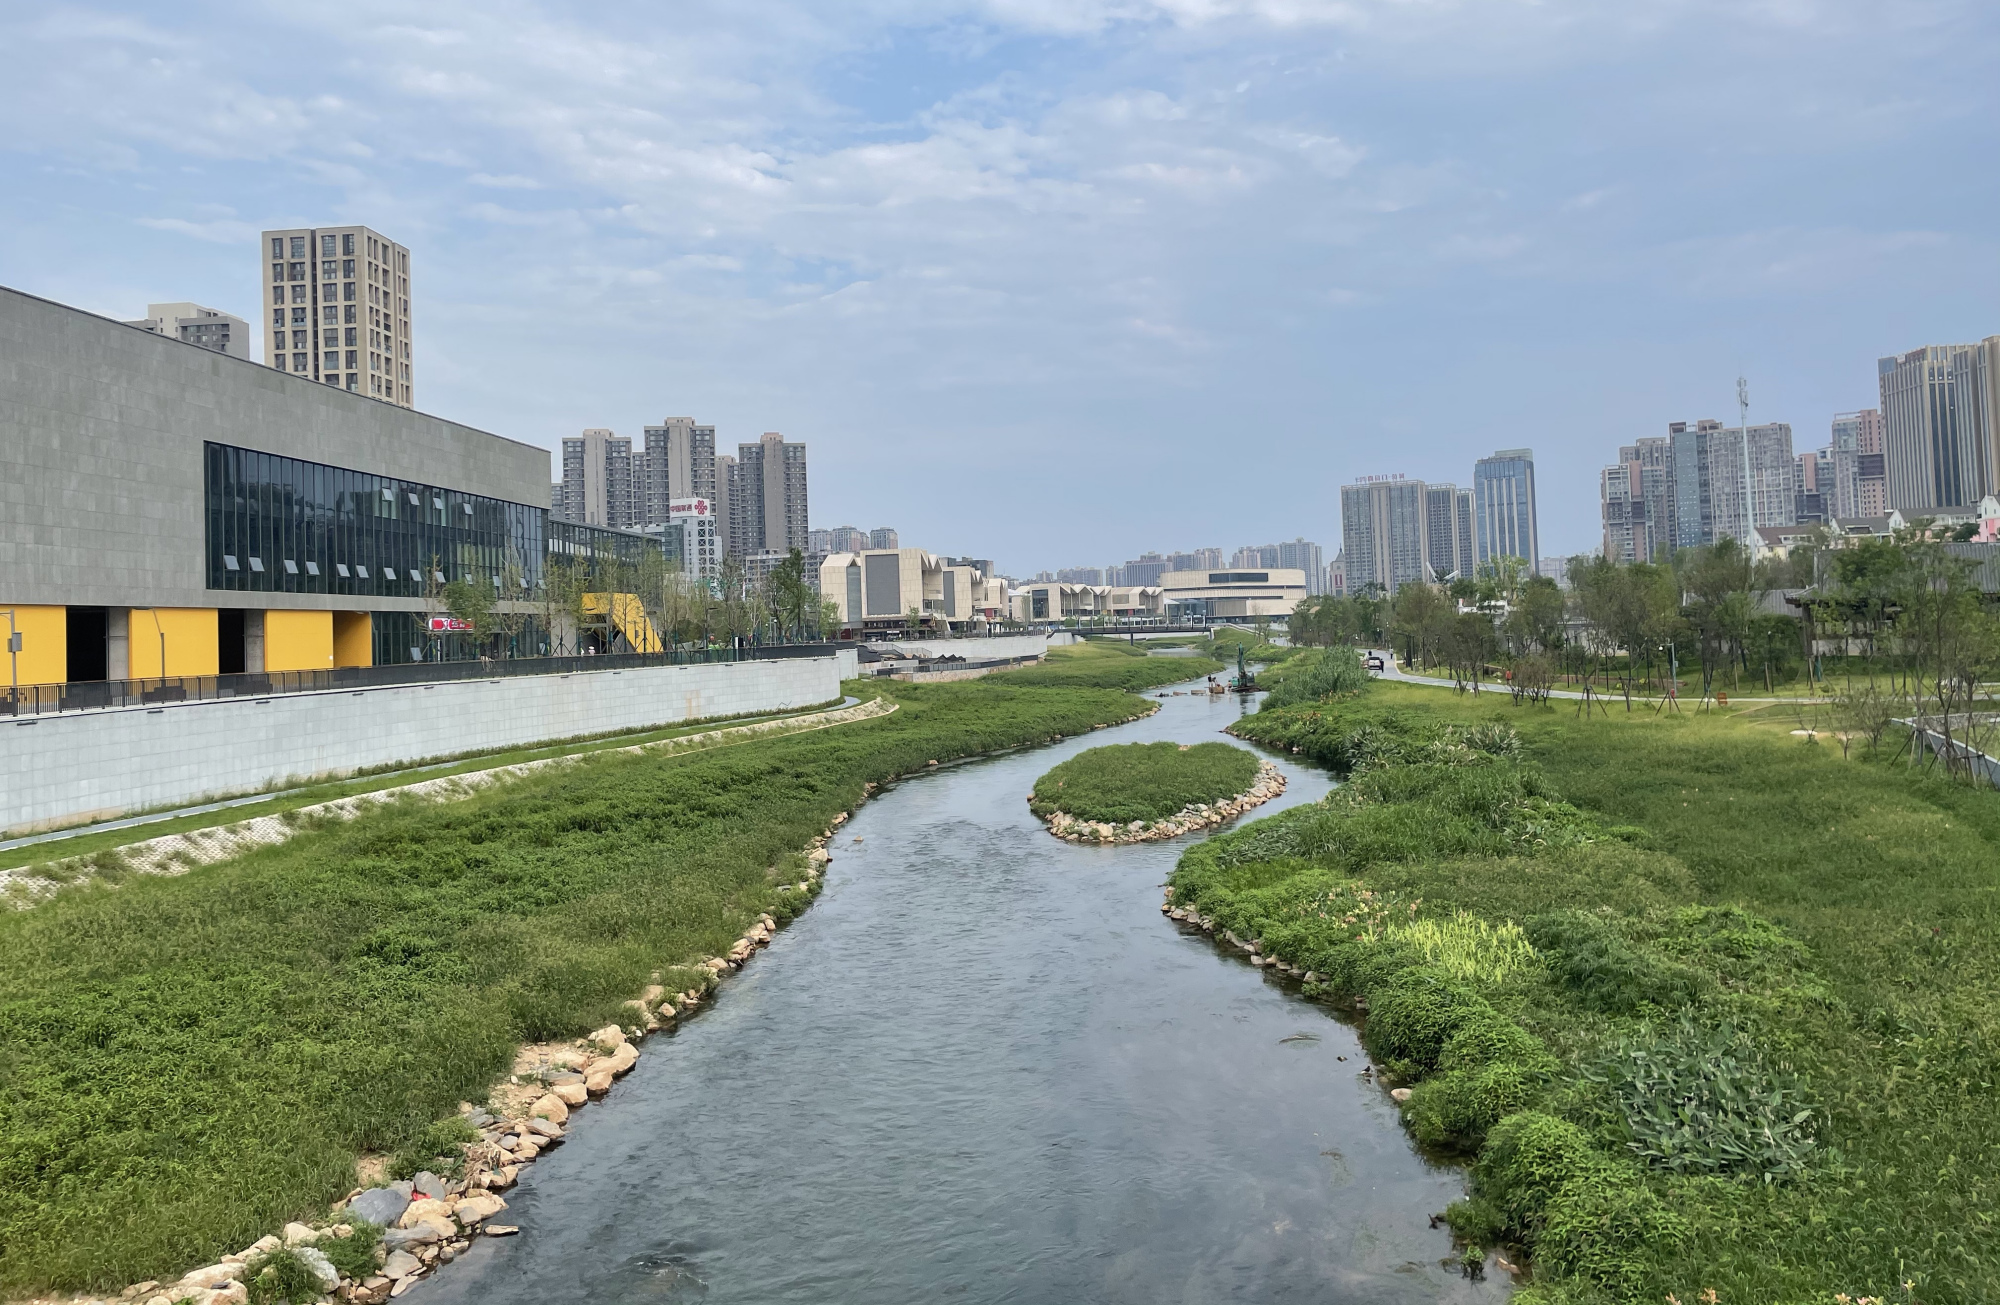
<point>1055,282</point>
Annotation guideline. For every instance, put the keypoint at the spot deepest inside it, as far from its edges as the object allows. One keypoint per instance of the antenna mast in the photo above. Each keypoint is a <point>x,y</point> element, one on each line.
<point>1751,539</point>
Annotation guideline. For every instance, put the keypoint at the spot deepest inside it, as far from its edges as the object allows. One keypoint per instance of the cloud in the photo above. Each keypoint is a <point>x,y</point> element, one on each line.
<point>220,231</point>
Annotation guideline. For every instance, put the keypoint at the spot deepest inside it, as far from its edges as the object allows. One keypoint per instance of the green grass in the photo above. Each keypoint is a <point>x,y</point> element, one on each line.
<point>1143,781</point>
<point>186,1063</point>
<point>1724,915</point>
<point>1108,665</point>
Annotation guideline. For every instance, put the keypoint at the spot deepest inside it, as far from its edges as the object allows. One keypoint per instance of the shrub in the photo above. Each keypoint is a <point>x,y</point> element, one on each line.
<point>1612,1233</point>
<point>1605,972</point>
<point>437,1148</point>
<point>1318,675</point>
<point>1528,1158</point>
<point>1413,1015</point>
<point>353,1255</point>
<point>280,1277</point>
<point>1702,1100</point>
<point>1456,1108</point>
<point>1487,1042</point>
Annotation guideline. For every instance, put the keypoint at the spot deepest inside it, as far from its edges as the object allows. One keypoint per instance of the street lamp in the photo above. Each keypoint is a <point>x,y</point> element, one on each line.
<point>13,665</point>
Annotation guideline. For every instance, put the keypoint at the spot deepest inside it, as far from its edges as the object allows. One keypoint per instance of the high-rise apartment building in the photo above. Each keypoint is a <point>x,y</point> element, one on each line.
<point>1255,555</point>
<point>1146,569</point>
<point>599,487</point>
<point>1448,527</point>
<point>1301,554</point>
<point>679,463</point>
<point>1636,499</point>
<point>1941,423</point>
<point>1201,559</point>
<point>1080,575</point>
<point>1503,508</point>
<point>1686,489</point>
<point>1860,485</point>
<point>882,537</point>
<point>1816,495</point>
<point>339,305</point>
<point>767,497</point>
<point>204,327</point>
<point>1773,479</point>
<point>1383,533</point>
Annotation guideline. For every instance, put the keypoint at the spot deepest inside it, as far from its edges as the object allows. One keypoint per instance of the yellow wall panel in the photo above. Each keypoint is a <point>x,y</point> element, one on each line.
<point>44,655</point>
<point>298,641</point>
<point>353,639</point>
<point>191,639</point>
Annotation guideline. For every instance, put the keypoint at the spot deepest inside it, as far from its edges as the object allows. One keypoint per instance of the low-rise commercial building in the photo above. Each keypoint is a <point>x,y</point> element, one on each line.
<point>1212,595</point>
<point>172,511</point>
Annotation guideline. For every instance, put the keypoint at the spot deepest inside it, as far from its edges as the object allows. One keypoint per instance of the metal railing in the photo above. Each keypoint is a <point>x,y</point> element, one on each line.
<point>88,695</point>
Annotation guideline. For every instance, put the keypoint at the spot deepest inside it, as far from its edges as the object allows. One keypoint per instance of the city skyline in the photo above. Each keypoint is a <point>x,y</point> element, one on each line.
<point>1100,236</point>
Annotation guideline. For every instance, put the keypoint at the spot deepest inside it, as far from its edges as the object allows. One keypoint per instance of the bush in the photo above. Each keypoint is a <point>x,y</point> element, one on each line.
<point>1413,1015</point>
<point>281,1278</point>
<point>1605,972</point>
<point>1456,1108</point>
<point>1528,1158</point>
<point>1612,1234</point>
<point>438,1148</point>
<point>1318,675</point>
<point>1489,1042</point>
<point>353,1255</point>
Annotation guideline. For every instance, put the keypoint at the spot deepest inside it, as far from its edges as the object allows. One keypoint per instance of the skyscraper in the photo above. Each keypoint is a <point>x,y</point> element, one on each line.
<point>600,485</point>
<point>1941,422</point>
<point>1859,473</point>
<point>1301,554</point>
<point>1503,507</point>
<point>1773,479</point>
<point>1383,534</point>
<point>883,537</point>
<point>339,302</point>
<point>767,497</point>
<point>1636,499</point>
<point>679,463</point>
<point>1448,544</point>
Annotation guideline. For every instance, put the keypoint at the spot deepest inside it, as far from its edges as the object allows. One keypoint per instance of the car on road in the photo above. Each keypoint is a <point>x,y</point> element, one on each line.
<point>1374,663</point>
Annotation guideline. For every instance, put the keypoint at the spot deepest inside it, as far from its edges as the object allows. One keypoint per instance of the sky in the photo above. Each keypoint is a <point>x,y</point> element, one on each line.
<point>1059,281</point>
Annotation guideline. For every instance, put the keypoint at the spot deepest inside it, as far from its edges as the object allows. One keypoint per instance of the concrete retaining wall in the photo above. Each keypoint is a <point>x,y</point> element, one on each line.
<point>990,648</point>
<point>98,764</point>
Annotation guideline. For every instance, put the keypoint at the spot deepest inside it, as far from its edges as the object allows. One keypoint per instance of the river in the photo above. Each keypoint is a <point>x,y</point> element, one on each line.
<point>984,1067</point>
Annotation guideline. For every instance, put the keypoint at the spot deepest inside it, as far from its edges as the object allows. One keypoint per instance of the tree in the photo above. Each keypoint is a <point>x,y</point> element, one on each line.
<point>1421,615</point>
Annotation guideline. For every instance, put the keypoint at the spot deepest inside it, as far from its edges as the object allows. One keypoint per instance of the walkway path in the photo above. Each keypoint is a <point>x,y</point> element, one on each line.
<point>1395,672</point>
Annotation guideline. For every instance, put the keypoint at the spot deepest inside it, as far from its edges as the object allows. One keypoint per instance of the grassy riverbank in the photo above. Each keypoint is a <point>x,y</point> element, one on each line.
<point>1107,665</point>
<point>1143,781</point>
<point>186,1063</point>
<point>1573,928</point>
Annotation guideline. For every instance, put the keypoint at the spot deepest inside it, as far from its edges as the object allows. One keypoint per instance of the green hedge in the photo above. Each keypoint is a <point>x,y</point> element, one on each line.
<point>1143,781</point>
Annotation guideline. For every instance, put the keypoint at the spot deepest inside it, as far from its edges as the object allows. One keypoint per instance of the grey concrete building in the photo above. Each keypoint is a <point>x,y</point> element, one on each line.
<point>339,309</point>
<point>1383,533</point>
<point>678,463</point>
<point>1941,424</point>
<point>766,500</point>
<point>166,508</point>
<point>207,327</point>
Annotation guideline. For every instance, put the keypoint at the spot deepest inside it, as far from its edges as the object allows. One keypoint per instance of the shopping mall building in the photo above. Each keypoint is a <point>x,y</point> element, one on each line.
<point>168,510</point>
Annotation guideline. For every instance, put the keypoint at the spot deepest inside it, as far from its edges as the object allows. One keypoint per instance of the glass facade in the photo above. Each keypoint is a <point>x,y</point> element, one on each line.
<point>284,525</point>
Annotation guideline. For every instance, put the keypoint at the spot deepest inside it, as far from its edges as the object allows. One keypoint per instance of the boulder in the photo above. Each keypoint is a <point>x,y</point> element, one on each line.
<point>295,1233</point>
<point>609,1036</point>
<point>598,1081</point>
<point>428,1184</point>
<point>400,1265</point>
<point>571,1094</point>
<point>1400,1095</point>
<point>211,1276</point>
<point>543,1128</point>
<point>549,1107</point>
<point>427,1233</point>
<point>381,1205</point>
<point>422,1210</point>
<point>476,1209</point>
<point>322,1268</point>
<point>622,1059</point>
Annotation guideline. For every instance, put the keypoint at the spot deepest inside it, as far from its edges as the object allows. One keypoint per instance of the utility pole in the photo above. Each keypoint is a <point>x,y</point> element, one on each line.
<point>1750,537</point>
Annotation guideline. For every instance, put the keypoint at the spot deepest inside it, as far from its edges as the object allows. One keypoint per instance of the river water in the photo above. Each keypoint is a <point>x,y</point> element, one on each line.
<point>984,1067</point>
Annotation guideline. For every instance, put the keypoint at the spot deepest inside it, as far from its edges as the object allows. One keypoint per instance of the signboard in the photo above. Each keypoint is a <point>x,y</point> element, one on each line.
<point>685,507</point>
<point>449,625</point>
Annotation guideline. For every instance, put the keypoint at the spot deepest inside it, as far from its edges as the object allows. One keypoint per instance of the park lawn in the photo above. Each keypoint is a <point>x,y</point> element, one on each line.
<point>1105,664</point>
<point>1143,781</point>
<point>1889,1013</point>
<point>186,1063</point>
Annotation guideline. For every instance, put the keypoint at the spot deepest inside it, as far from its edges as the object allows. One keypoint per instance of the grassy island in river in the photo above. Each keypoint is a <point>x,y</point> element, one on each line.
<point>1143,781</point>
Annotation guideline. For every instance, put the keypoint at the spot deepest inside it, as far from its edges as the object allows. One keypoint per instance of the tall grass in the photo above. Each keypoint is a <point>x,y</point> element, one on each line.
<point>1104,664</point>
<point>1821,1120</point>
<point>186,1063</point>
<point>1143,781</point>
